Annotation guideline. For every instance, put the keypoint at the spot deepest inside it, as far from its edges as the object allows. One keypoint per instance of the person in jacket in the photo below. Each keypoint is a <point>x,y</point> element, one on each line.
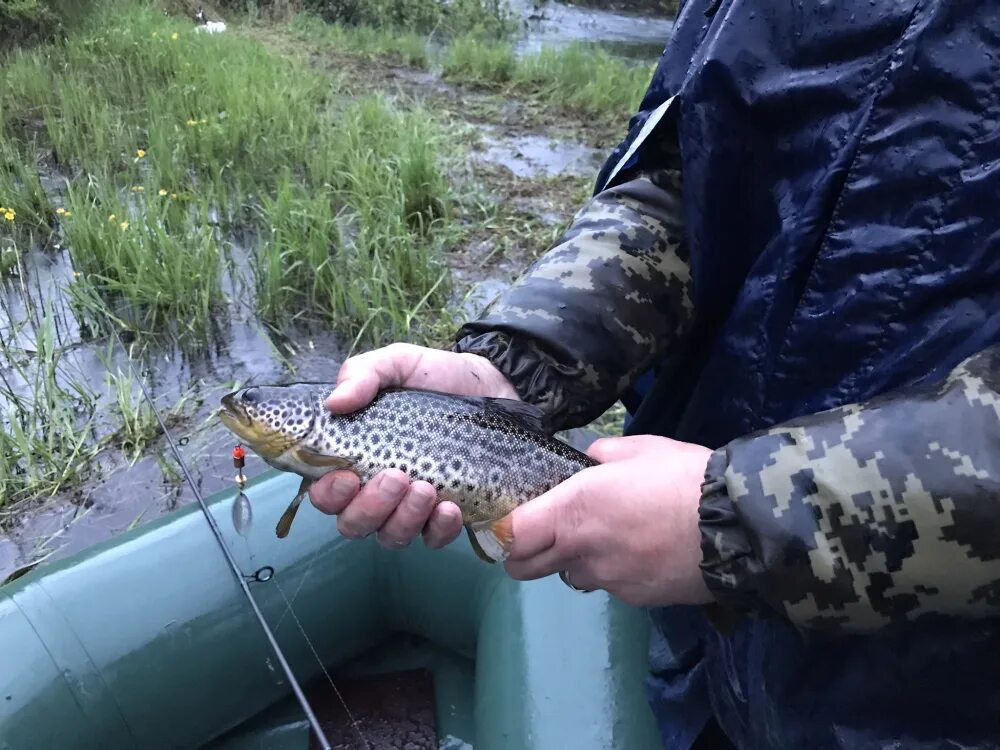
<point>789,273</point>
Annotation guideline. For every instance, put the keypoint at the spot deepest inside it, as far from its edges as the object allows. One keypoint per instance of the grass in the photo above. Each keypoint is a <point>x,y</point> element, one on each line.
<point>488,17</point>
<point>152,132</point>
<point>160,127</point>
<point>46,410</point>
<point>473,60</point>
<point>138,425</point>
<point>583,79</point>
<point>405,46</point>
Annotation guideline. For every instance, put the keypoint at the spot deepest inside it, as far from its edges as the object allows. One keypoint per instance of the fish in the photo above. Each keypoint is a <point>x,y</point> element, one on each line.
<point>486,455</point>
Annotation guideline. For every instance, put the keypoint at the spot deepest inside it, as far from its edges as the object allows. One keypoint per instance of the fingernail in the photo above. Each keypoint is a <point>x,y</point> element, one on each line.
<point>391,487</point>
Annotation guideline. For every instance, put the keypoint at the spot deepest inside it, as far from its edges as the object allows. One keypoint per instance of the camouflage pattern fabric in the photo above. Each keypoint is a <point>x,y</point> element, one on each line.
<point>866,515</point>
<point>597,309</point>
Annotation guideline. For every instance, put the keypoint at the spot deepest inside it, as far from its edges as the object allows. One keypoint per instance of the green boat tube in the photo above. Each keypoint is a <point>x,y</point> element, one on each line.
<point>146,641</point>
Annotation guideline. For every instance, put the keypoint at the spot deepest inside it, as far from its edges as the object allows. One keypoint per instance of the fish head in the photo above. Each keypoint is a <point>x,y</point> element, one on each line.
<point>272,418</point>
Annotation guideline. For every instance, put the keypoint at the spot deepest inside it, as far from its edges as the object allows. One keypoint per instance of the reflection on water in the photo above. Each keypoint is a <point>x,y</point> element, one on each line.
<point>553,24</point>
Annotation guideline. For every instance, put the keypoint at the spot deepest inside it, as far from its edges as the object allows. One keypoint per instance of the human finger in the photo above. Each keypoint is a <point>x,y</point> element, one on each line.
<point>545,563</point>
<point>606,450</point>
<point>373,504</point>
<point>444,524</point>
<point>332,492</point>
<point>361,377</point>
<point>410,516</point>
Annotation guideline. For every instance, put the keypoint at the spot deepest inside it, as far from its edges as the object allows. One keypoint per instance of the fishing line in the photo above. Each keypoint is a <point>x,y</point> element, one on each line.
<point>290,610</point>
<point>343,702</point>
<point>296,688</point>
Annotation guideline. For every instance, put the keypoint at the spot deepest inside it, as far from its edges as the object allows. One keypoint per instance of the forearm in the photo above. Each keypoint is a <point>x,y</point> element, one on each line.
<point>599,307</point>
<point>865,515</point>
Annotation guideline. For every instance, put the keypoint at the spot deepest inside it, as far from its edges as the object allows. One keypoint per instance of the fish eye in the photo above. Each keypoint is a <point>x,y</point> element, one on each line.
<point>250,396</point>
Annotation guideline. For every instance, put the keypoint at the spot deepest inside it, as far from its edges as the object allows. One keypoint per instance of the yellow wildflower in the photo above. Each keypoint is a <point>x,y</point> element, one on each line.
<point>162,192</point>
<point>124,225</point>
<point>173,196</point>
<point>61,211</point>
<point>77,274</point>
<point>111,219</point>
<point>192,123</point>
<point>9,215</point>
<point>204,122</point>
<point>138,189</point>
<point>141,153</point>
<point>67,214</point>
<point>174,36</point>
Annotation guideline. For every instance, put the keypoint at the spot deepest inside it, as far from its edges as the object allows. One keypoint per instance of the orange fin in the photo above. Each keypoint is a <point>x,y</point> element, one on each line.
<point>503,530</point>
<point>285,522</point>
<point>494,539</point>
<point>480,553</point>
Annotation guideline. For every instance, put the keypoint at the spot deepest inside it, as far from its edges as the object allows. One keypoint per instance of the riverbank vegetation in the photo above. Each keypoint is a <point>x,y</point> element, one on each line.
<point>308,169</point>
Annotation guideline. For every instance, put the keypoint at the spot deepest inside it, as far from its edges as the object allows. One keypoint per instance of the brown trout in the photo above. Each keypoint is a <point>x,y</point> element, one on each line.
<point>487,455</point>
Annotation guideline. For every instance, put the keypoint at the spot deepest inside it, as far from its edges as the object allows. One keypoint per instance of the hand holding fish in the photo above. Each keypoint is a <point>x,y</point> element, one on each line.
<point>418,441</point>
<point>629,525</point>
<point>390,506</point>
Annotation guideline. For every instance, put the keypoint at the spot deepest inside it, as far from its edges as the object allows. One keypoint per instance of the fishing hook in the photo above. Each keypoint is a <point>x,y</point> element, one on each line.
<point>240,578</point>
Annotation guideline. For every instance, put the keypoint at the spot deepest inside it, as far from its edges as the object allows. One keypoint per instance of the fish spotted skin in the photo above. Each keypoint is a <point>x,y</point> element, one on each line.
<point>486,455</point>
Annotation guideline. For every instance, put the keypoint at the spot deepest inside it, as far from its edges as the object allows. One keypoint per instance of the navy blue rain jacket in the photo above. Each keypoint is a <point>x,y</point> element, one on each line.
<point>841,167</point>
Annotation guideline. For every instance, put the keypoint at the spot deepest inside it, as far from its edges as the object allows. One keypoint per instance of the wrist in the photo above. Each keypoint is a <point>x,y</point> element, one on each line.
<point>492,382</point>
<point>728,563</point>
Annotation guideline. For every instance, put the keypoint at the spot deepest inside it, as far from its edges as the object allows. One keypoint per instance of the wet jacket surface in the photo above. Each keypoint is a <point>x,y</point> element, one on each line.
<point>797,243</point>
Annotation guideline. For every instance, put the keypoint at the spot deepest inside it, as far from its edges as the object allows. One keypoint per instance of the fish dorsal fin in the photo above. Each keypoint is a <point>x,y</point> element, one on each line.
<point>528,416</point>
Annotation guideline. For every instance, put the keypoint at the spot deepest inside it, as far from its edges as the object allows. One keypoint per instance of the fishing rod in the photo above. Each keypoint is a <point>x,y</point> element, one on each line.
<point>238,574</point>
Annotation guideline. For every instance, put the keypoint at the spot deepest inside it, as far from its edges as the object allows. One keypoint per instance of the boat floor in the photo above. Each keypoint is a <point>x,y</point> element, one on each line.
<point>404,694</point>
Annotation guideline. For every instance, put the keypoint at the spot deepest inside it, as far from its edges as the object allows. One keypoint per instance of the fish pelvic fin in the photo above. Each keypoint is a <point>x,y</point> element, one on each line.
<point>285,522</point>
<point>493,539</point>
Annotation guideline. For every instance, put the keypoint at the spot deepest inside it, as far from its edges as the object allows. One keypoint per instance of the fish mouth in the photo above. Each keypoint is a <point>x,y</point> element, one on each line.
<point>233,415</point>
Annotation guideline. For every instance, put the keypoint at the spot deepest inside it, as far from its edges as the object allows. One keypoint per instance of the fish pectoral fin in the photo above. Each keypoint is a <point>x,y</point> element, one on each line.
<point>285,522</point>
<point>311,458</point>
<point>528,416</point>
<point>492,541</point>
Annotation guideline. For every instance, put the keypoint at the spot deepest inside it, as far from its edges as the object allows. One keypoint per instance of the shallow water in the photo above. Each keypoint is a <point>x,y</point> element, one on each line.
<point>540,156</point>
<point>552,24</point>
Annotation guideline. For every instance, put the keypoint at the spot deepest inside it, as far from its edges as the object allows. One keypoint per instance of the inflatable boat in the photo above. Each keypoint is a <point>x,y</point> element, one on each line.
<point>148,641</point>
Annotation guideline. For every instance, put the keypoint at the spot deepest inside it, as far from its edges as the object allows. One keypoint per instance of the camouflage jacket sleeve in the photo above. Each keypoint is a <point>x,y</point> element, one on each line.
<point>867,515</point>
<point>598,308</point>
